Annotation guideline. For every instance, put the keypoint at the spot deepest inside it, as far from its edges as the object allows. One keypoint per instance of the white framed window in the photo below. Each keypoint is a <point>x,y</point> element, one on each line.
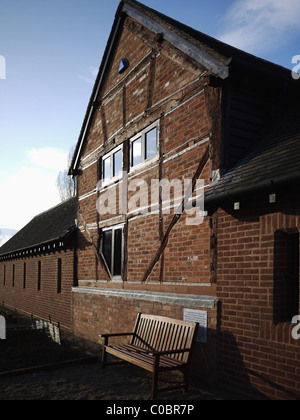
<point>112,165</point>
<point>112,250</point>
<point>144,146</point>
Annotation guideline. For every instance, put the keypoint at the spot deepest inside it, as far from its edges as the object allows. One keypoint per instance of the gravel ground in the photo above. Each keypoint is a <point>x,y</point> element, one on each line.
<point>87,381</point>
<point>90,382</point>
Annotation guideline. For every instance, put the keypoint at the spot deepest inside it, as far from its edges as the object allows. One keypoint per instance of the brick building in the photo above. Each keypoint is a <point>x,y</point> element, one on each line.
<point>38,266</point>
<point>257,208</point>
<point>176,116</point>
<point>170,105</point>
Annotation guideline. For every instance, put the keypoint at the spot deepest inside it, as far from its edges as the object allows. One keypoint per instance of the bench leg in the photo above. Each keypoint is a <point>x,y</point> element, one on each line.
<point>104,354</point>
<point>155,378</point>
<point>104,358</point>
<point>186,380</point>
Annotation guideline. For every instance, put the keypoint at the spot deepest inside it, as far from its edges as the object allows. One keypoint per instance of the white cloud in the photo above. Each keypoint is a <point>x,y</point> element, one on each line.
<point>27,193</point>
<point>260,25</point>
<point>31,189</point>
<point>49,158</point>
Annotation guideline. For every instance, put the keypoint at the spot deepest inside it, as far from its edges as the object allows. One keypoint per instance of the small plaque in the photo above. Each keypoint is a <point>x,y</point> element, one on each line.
<point>191,315</point>
<point>2,328</point>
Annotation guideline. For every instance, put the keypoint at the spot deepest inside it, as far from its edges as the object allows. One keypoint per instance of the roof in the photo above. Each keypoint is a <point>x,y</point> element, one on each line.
<point>219,50</point>
<point>211,53</point>
<point>53,225</point>
<point>274,162</point>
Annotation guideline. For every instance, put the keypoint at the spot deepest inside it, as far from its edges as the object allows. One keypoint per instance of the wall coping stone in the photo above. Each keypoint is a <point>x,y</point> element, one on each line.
<point>198,301</point>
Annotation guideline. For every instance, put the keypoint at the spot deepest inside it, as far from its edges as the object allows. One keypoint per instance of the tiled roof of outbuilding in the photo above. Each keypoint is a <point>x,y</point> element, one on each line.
<point>52,225</point>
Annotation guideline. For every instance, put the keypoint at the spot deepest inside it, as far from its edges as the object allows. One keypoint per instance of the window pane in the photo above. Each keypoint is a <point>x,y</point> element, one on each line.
<point>151,144</point>
<point>137,152</point>
<point>117,252</point>
<point>24,276</point>
<point>118,163</point>
<point>106,169</point>
<point>59,274</point>
<point>39,275</point>
<point>107,247</point>
<point>286,276</point>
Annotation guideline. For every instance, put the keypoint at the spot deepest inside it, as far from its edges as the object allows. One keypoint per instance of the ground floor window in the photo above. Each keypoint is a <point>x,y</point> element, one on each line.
<point>112,250</point>
<point>24,275</point>
<point>286,276</point>
<point>39,275</point>
<point>59,275</point>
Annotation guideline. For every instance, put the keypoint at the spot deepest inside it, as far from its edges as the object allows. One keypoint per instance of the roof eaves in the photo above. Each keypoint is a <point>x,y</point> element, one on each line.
<point>62,237</point>
<point>216,66</point>
<point>216,197</point>
<point>92,103</point>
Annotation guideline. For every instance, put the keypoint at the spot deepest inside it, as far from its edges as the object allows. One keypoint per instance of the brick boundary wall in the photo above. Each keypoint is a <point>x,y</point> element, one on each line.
<point>46,301</point>
<point>97,311</point>
<point>257,354</point>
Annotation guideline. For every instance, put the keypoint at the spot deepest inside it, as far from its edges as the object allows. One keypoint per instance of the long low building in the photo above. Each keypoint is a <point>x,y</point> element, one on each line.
<point>38,265</point>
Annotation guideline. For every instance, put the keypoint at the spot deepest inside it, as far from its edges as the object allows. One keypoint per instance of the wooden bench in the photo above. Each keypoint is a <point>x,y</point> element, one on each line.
<point>157,344</point>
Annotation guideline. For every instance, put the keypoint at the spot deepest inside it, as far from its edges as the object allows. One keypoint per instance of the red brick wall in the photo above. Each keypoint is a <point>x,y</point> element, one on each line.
<point>160,85</point>
<point>46,301</point>
<point>95,314</point>
<point>257,356</point>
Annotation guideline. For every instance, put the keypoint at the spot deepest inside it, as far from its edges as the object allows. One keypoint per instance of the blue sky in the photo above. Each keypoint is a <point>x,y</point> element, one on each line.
<point>52,51</point>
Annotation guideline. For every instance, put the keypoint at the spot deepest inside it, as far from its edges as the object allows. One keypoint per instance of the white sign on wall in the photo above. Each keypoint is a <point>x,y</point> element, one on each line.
<point>2,328</point>
<point>192,315</point>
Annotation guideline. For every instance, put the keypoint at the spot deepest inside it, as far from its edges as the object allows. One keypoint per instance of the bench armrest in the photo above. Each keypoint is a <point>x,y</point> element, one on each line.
<point>107,336</point>
<point>168,352</point>
<point>115,335</point>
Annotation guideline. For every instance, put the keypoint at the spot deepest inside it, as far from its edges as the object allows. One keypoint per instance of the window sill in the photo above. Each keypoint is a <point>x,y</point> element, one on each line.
<point>104,185</point>
<point>141,166</point>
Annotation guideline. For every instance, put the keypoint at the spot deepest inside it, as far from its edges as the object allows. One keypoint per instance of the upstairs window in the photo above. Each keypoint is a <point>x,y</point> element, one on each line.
<point>144,146</point>
<point>286,276</point>
<point>112,165</point>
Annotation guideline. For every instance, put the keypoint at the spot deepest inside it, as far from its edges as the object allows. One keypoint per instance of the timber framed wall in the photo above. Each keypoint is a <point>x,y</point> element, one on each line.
<point>162,88</point>
<point>165,90</point>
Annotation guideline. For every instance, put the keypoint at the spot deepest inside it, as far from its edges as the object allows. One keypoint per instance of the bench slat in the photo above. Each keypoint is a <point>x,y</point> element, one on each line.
<point>160,334</point>
<point>134,353</point>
